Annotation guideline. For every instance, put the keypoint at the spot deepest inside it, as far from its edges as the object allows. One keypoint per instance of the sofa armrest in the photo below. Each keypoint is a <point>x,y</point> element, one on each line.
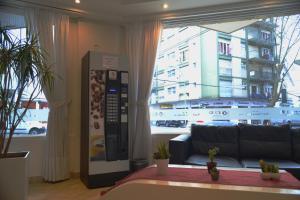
<point>179,148</point>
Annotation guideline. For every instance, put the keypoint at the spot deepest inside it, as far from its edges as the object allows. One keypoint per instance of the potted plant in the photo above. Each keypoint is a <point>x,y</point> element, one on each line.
<point>23,74</point>
<point>269,171</point>
<point>214,173</point>
<point>212,152</point>
<point>161,157</point>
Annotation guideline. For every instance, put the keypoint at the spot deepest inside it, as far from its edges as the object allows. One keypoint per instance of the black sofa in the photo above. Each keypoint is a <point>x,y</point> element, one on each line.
<point>239,146</point>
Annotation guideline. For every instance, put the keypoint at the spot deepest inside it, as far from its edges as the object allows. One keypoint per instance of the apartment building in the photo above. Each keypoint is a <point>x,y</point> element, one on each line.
<point>205,68</point>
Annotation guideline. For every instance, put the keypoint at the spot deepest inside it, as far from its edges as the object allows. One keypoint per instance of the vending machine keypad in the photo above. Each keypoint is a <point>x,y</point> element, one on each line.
<point>112,112</point>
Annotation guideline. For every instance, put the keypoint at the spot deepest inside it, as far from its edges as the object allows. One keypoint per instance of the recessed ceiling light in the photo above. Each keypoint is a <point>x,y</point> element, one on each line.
<point>165,6</point>
<point>77,1</point>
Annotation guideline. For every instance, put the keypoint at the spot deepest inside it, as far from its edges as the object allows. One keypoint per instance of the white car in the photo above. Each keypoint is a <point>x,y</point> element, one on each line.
<point>31,128</point>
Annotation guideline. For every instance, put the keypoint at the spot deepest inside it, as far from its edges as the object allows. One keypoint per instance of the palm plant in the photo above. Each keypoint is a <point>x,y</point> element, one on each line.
<point>23,74</point>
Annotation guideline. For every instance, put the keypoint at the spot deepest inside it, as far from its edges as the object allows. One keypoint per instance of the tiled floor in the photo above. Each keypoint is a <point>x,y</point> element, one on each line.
<point>72,189</point>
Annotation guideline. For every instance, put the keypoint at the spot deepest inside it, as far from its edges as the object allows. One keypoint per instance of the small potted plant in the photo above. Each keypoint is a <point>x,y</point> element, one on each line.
<point>214,173</point>
<point>269,171</point>
<point>161,157</point>
<point>211,155</point>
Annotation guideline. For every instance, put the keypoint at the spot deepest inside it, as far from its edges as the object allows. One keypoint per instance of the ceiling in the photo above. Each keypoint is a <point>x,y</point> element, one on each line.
<point>120,9</point>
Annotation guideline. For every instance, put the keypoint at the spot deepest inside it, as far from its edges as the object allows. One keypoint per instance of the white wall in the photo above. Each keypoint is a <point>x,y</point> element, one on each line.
<point>84,35</point>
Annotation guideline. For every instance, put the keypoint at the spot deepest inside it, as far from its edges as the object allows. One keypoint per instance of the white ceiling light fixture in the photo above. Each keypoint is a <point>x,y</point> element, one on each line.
<point>77,1</point>
<point>165,6</point>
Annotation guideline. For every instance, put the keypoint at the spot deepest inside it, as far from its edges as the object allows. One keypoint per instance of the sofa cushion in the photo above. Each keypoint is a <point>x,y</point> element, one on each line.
<point>263,142</point>
<point>296,144</point>
<point>206,137</point>
<point>223,161</point>
<point>282,164</point>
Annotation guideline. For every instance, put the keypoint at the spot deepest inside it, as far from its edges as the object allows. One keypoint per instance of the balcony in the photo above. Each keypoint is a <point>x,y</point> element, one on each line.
<point>261,76</point>
<point>265,59</point>
<point>258,96</point>
<point>258,40</point>
<point>264,25</point>
<point>225,56</point>
<point>225,72</point>
<point>267,76</point>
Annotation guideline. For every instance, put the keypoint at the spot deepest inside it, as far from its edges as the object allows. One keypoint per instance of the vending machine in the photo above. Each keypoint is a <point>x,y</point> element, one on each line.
<point>104,119</point>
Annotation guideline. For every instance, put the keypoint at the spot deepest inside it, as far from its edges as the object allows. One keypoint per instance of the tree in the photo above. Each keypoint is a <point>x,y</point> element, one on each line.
<point>287,47</point>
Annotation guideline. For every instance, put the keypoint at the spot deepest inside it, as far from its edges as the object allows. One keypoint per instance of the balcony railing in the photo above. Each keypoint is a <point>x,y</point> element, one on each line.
<point>225,72</point>
<point>258,40</point>
<point>261,96</point>
<point>267,75</point>
<point>264,24</point>
<point>266,58</point>
<point>257,75</point>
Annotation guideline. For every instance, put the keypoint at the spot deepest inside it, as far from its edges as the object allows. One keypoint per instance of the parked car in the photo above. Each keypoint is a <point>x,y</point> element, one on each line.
<point>30,127</point>
<point>176,123</point>
<point>171,123</point>
<point>161,123</point>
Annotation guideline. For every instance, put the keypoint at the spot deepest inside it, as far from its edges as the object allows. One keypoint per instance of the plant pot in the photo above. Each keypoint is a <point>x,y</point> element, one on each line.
<point>275,176</point>
<point>14,176</point>
<point>265,175</point>
<point>162,166</point>
<point>215,175</point>
<point>210,165</point>
<point>269,175</point>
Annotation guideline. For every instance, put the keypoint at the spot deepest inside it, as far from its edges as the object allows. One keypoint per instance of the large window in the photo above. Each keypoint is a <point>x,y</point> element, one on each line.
<point>224,48</point>
<point>227,78</point>
<point>35,120</point>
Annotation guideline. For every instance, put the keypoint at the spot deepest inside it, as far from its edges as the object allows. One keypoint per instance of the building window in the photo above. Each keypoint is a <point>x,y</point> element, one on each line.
<point>159,72</point>
<point>243,70</point>
<point>171,73</point>
<point>171,55</point>
<point>225,68</point>
<point>225,88</point>
<point>254,91</point>
<point>265,35</point>
<point>224,48</point>
<point>172,90</point>
<point>183,55</point>
<point>266,53</point>
<point>243,50</point>
<point>244,84</point>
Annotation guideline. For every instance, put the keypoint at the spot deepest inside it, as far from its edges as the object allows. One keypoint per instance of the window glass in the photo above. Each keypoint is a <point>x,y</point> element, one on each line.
<point>215,77</point>
<point>35,120</point>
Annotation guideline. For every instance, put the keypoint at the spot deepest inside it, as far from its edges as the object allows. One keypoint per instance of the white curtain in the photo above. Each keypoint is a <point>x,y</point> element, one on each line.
<point>52,30</point>
<point>142,40</point>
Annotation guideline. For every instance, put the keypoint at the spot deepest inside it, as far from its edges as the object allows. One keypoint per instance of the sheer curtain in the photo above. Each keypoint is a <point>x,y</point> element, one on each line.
<point>142,40</point>
<point>52,30</point>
